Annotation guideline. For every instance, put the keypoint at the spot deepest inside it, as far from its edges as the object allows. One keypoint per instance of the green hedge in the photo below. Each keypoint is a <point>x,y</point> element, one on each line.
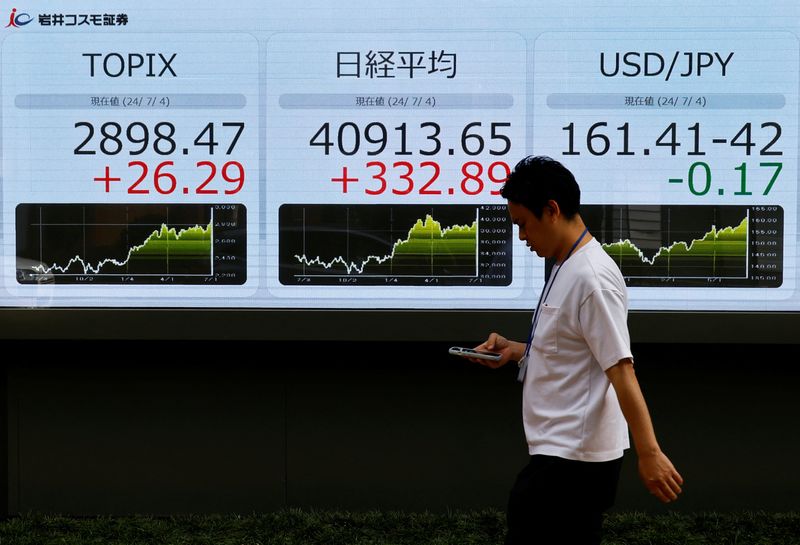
<point>295,527</point>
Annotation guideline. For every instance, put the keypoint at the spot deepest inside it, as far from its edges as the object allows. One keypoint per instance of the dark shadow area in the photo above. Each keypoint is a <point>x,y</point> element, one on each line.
<point>167,427</point>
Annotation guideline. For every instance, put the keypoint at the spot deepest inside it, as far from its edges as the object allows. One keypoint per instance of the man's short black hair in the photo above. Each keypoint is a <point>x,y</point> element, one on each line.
<point>538,179</point>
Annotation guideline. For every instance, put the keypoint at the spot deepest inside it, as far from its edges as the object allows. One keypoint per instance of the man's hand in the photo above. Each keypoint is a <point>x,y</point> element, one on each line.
<point>660,476</point>
<point>510,350</point>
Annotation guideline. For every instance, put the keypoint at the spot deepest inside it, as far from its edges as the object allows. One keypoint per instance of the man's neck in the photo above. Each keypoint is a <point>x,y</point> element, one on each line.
<point>573,229</point>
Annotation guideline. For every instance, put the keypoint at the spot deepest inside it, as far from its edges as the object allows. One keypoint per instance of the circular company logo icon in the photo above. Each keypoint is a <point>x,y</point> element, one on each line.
<point>17,20</point>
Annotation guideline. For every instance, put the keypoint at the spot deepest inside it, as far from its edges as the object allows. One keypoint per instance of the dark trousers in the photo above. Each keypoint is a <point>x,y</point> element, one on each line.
<point>561,502</point>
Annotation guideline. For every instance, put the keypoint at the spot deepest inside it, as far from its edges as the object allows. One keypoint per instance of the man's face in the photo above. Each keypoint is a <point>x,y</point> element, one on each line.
<point>536,233</point>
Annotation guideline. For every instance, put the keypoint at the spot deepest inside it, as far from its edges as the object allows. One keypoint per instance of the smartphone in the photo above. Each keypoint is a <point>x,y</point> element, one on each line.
<point>470,353</point>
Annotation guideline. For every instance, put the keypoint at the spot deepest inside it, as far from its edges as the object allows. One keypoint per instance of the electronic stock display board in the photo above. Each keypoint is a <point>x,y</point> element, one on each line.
<point>320,155</point>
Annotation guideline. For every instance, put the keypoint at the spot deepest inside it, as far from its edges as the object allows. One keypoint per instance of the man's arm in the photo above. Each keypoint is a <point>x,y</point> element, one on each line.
<point>656,471</point>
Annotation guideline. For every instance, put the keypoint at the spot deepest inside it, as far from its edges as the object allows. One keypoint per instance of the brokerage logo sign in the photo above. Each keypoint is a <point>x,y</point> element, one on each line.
<point>17,21</point>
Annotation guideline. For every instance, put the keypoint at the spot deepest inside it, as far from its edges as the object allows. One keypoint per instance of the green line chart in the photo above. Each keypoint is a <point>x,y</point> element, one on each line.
<point>166,244</point>
<point>109,243</point>
<point>425,249</point>
<point>410,244</point>
<point>718,246</point>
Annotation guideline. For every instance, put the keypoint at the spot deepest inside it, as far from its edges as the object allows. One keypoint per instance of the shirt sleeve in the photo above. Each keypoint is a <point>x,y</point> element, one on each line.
<point>604,320</point>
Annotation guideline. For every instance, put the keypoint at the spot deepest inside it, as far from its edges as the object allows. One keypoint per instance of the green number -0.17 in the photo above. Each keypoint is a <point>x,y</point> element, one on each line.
<point>702,185</point>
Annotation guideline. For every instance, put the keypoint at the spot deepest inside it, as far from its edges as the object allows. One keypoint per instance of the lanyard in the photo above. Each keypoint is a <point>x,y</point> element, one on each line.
<point>543,297</point>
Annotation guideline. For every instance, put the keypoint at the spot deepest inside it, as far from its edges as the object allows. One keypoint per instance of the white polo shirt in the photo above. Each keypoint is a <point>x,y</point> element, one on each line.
<point>569,407</point>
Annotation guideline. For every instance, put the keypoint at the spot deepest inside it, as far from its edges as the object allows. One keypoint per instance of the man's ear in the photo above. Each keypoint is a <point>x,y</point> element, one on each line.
<point>553,209</point>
